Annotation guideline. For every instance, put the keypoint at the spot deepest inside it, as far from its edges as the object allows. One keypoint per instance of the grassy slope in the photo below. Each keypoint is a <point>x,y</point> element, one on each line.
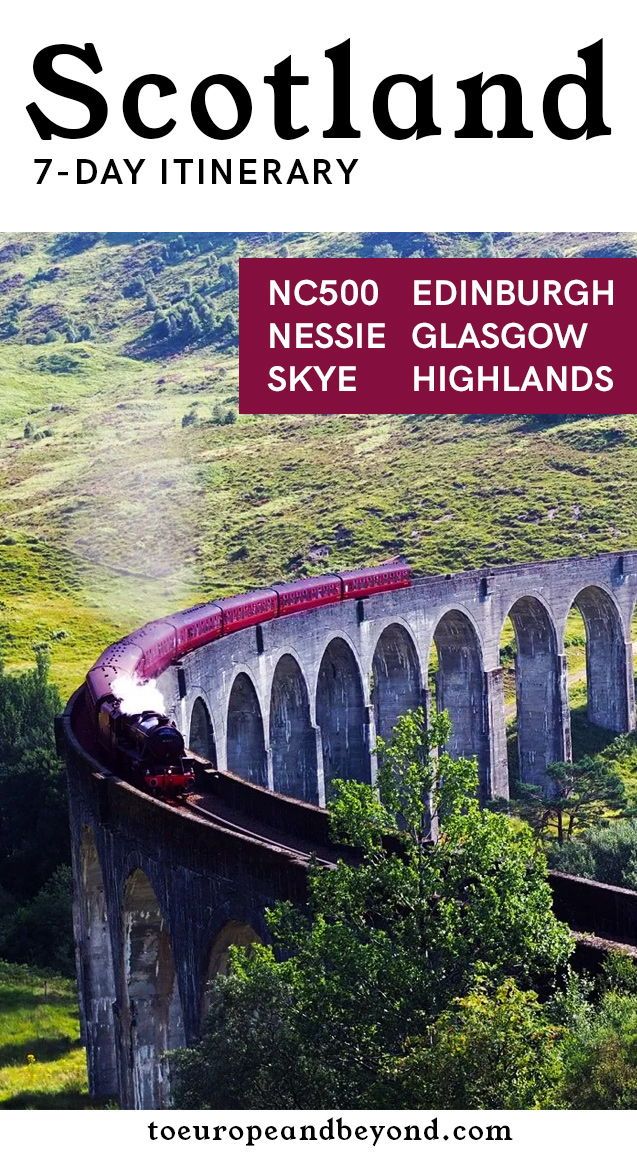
<point>120,514</point>
<point>41,1062</point>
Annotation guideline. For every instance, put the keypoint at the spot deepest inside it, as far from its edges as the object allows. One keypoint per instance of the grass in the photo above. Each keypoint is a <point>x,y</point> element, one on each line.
<point>42,1062</point>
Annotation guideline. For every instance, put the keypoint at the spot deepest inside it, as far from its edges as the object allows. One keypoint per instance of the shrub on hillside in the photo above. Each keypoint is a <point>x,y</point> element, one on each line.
<point>66,244</point>
<point>608,854</point>
<point>58,363</point>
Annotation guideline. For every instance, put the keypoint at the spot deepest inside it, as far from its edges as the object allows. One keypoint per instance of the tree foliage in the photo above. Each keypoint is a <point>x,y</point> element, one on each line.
<point>34,830</point>
<point>38,932</point>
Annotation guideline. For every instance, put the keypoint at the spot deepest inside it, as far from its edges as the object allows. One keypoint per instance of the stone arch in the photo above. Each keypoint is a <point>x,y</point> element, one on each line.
<point>233,934</point>
<point>607,660</point>
<point>245,742</point>
<point>541,736</point>
<point>460,689</point>
<point>97,985</point>
<point>396,678</point>
<point>202,736</point>
<point>341,715</point>
<point>292,736</point>
<point>155,1018</point>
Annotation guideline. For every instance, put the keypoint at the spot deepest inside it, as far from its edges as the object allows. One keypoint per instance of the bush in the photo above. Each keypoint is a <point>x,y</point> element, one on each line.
<point>134,288</point>
<point>66,244</point>
<point>221,416</point>
<point>40,932</point>
<point>58,363</point>
<point>486,1051</point>
<point>600,1054</point>
<point>608,854</point>
<point>229,275</point>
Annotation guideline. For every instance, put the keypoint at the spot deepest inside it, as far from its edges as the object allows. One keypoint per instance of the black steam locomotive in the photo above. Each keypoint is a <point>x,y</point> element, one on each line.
<point>147,748</point>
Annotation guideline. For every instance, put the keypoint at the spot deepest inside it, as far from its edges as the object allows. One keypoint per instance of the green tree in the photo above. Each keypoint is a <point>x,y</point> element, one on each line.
<point>33,808</point>
<point>39,932</point>
<point>485,1051</point>
<point>577,795</point>
<point>486,246</point>
<point>390,937</point>
<point>384,250</point>
<point>229,275</point>
<point>34,837</point>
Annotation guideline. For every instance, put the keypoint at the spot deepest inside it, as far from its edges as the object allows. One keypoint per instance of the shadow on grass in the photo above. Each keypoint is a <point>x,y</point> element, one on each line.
<point>44,1048</point>
<point>587,738</point>
<point>17,997</point>
<point>61,1099</point>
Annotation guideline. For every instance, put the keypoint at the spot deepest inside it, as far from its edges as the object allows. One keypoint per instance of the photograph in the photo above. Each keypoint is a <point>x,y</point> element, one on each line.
<point>318,747</point>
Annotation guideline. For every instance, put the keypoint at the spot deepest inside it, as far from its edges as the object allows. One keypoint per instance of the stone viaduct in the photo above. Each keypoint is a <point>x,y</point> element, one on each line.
<point>161,891</point>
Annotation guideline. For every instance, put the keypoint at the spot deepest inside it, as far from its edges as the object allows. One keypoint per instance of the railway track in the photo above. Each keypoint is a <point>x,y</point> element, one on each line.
<point>212,810</point>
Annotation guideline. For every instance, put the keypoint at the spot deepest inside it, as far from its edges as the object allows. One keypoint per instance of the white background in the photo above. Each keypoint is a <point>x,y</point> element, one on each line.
<point>102,1133</point>
<point>433,184</point>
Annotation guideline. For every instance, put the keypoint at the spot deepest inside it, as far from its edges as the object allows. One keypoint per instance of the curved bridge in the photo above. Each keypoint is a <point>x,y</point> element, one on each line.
<point>288,705</point>
<point>298,701</point>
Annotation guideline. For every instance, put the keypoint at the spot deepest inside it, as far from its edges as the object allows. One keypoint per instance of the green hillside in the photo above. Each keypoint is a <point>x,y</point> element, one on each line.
<point>127,487</point>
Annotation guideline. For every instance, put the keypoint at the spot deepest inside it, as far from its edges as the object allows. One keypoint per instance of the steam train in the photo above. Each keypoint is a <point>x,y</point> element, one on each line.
<point>146,746</point>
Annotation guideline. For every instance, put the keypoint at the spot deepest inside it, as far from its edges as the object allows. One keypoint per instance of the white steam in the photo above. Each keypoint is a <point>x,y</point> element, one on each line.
<point>136,696</point>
